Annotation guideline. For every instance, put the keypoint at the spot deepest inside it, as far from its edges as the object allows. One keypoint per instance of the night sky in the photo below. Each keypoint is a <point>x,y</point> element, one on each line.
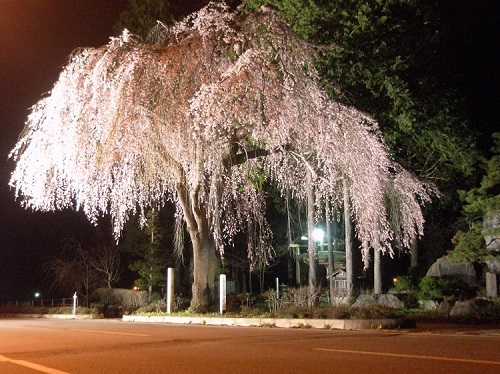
<point>37,36</point>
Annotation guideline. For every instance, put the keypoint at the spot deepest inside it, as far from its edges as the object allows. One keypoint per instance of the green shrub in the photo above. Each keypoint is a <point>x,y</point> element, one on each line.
<point>490,313</point>
<point>404,284</point>
<point>155,297</point>
<point>439,288</point>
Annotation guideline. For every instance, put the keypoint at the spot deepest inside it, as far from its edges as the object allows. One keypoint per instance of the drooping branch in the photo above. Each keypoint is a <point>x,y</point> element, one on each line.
<point>200,120</point>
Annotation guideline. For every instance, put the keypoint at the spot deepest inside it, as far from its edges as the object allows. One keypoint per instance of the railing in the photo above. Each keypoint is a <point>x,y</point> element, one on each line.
<point>65,302</point>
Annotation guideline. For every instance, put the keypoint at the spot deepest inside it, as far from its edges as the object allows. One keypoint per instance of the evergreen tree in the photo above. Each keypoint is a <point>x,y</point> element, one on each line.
<point>482,214</point>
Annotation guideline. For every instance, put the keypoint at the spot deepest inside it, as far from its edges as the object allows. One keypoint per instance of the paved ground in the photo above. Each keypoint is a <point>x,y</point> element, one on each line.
<point>449,328</point>
<point>112,346</point>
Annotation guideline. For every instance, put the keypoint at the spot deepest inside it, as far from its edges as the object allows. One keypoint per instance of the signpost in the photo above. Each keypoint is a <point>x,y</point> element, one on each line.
<point>74,304</point>
<point>170,290</point>
<point>222,293</point>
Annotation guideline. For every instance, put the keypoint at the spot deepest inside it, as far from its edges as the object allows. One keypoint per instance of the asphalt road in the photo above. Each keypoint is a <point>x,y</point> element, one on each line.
<point>112,346</point>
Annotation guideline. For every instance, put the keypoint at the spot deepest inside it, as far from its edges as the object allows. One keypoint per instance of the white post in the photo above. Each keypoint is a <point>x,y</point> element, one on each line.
<point>170,290</point>
<point>74,304</point>
<point>222,293</point>
<point>277,288</point>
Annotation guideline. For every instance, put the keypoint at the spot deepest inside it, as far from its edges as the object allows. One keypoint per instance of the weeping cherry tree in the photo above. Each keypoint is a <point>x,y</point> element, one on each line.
<point>200,115</point>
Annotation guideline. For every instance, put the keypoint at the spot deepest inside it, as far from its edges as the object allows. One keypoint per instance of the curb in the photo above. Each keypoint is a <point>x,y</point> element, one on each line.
<point>328,324</point>
<point>55,316</point>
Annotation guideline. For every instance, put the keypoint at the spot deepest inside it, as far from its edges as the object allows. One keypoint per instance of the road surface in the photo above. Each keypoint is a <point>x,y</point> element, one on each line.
<point>112,346</point>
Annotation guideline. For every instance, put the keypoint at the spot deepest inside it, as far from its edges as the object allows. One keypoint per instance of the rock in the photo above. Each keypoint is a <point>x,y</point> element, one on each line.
<point>491,284</point>
<point>364,301</point>
<point>445,267</point>
<point>445,306</point>
<point>493,265</point>
<point>463,308</point>
<point>389,300</point>
<point>428,304</point>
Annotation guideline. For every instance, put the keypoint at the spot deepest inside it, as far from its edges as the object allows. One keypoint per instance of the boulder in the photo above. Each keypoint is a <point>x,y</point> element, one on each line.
<point>445,267</point>
<point>491,284</point>
<point>445,307</point>
<point>384,299</point>
<point>463,308</point>
<point>493,265</point>
<point>428,305</point>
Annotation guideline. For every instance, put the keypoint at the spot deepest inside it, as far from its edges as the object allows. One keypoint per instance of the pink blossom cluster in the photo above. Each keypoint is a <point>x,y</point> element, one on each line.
<point>200,117</point>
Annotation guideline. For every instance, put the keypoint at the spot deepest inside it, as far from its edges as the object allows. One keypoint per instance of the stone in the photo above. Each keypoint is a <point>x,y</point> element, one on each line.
<point>445,267</point>
<point>364,301</point>
<point>428,305</point>
<point>491,284</point>
<point>493,265</point>
<point>390,301</point>
<point>445,306</point>
<point>384,299</point>
<point>463,308</point>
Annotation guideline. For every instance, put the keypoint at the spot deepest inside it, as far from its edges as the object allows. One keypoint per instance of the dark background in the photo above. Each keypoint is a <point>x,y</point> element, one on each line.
<point>37,36</point>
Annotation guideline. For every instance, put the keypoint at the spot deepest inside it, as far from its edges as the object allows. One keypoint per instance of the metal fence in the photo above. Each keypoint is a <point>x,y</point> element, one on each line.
<point>65,302</point>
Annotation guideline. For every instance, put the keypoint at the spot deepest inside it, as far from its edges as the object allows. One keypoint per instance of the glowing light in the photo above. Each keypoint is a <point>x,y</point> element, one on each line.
<point>318,235</point>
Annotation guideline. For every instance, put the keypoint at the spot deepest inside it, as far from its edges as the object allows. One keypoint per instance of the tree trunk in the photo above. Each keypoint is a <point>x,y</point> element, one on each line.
<point>204,269</point>
<point>414,252</point>
<point>377,270</point>
<point>331,265</point>
<point>311,245</point>
<point>348,243</point>
<point>377,266</point>
<point>204,258</point>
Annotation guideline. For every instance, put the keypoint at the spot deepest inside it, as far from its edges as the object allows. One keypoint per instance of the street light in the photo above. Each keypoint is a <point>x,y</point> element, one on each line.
<point>318,235</point>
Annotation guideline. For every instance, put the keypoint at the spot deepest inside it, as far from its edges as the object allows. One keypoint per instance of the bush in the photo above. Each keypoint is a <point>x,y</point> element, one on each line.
<point>490,313</point>
<point>338,312</point>
<point>250,312</point>
<point>404,284</point>
<point>273,303</point>
<point>245,299</point>
<point>121,296</point>
<point>440,288</point>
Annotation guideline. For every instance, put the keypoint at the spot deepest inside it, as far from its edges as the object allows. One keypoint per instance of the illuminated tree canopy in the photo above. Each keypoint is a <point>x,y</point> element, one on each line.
<point>215,105</point>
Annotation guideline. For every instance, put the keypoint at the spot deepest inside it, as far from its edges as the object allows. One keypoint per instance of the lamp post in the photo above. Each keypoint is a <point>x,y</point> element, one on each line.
<point>37,296</point>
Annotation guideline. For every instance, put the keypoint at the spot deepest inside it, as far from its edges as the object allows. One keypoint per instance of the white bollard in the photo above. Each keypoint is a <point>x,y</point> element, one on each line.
<point>222,293</point>
<point>74,304</point>
<point>170,290</point>
<point>277,288</point>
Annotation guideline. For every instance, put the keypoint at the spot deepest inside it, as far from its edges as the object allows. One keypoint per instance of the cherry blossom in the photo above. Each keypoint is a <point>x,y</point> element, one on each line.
<point>198,116</point>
